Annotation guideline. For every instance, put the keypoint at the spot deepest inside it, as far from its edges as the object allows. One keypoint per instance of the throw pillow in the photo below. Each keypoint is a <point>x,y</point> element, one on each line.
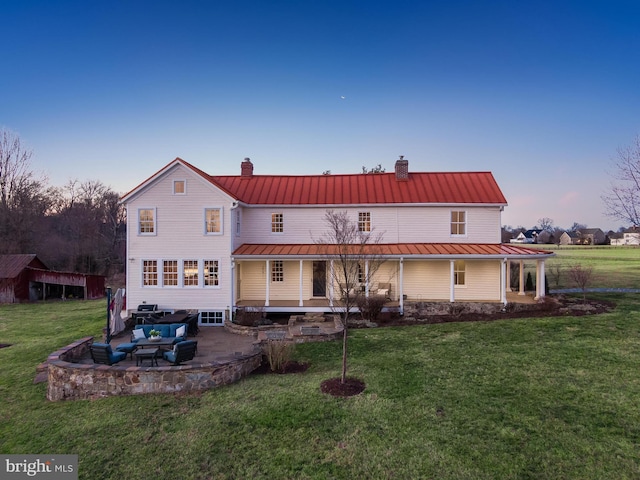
<point>181,331</point>
<point>138,334</point>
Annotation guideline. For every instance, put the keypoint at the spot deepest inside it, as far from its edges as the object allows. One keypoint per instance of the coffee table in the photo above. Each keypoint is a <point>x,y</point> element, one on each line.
<point>146,353</point>
<point>163,342</point>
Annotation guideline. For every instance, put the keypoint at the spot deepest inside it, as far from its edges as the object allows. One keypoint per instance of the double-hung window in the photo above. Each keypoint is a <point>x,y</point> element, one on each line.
<point>364,221</point>
<point>190,273</point>
<point>170,273</point>
<point>458,222</point>
<point>213,221</point>
<point>459,272</point>
<point>147,221</point>
<point>277,223</point>
<point>277,271</point>
<point>150,273</point>
<point>211,271</point>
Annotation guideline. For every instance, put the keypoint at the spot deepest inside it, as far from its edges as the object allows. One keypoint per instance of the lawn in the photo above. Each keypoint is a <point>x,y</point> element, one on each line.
<point>613,267</point>
<point>534,398</point>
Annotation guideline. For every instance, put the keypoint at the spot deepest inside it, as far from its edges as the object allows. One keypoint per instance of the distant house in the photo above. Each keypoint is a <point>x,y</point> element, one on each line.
<point>631,236</point>
<point>569,238</point>
<point>535,235</point>
<point>591,236</point>
<point>616,238</point>
<point>26,278</point>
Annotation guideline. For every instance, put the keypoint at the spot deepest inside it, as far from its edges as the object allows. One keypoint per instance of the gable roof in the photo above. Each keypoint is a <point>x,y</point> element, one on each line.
<point>454,188</point>
<point>12,265</point>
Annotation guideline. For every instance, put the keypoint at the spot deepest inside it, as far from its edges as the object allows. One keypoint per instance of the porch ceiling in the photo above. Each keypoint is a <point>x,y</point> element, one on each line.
<point>390,250</point>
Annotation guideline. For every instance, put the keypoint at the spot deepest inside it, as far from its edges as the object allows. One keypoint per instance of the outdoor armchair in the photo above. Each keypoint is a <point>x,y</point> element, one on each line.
<point>182,352</point>
<point>102,353</point>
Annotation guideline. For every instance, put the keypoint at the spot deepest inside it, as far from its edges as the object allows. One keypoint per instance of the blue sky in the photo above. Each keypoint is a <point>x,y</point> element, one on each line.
<point>542,93</point>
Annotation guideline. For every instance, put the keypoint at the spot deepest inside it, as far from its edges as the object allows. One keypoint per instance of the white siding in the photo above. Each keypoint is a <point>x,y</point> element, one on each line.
<point>179,236</point>
<point>395,224</point>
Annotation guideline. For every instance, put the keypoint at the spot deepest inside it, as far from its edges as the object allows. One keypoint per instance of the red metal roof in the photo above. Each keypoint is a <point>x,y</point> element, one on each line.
<point>12,265</point>
<point>358,189</point>
<point>362,189</point>
<point>395,249</point>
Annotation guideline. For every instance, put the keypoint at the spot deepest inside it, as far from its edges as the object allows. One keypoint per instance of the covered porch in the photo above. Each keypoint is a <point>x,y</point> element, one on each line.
<point>300,278</point>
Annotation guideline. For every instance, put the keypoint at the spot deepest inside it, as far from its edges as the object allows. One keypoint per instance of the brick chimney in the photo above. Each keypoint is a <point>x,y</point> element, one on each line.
<point>246,168</point>
<point>402,169</point>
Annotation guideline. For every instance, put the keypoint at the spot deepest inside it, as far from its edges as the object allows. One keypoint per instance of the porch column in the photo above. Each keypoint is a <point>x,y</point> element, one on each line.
<point>233,287</point>
<point>503,283</point>
<point>366,278</point>
<point>521,288</point>
<point>331,283</point>
<point>300,303</point>
<point>267,272</point>
<point>540,281</point>
<point>452,283</point>
<point>509,289</point>
<point>401,297</point>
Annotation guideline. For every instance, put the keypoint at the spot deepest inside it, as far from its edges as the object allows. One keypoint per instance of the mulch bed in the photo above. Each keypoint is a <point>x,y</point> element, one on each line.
<point>289,367</point>
<point>335,387</point>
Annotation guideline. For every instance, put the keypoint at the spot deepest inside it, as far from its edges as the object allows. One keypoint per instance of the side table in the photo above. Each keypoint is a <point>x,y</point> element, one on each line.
<point>146,353</point>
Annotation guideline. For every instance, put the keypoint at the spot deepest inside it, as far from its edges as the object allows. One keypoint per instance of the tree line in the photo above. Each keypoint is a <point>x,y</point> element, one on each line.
<point>78,227</point>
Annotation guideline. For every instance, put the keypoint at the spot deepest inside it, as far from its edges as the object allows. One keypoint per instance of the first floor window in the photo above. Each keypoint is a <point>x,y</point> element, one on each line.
<point>277,271</point>
<point>190,273</point>
<point>150,273</point>
<point>277,223</point>
<point>212,318</point>
<point>458,272</point>
<point>170,273</point>
<point>211,273</point>
<point>458,223</point>
<point>146,221</point>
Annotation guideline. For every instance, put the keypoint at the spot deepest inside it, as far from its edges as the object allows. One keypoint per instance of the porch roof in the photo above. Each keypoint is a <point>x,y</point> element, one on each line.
<point>249,251</point>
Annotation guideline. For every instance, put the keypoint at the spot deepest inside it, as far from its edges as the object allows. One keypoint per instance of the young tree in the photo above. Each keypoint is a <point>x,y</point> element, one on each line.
<point>354,257</point>
<point>623,199</point>
<point>581,277</point>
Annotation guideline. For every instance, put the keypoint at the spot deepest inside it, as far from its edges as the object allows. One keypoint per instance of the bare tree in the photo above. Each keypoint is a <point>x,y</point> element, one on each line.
<point>623,199</point>
<point>581,277</point>
<point>377,169</point>
<point>354,257</point>
<point>545,223</point>
<point>24,199</point>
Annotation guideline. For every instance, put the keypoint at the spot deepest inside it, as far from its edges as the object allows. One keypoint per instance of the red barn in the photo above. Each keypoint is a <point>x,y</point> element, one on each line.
<point>25,278</point>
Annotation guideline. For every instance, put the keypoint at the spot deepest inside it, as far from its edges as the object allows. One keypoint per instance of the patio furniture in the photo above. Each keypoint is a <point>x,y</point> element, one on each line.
<point>143,311</point>
<point>127,348</point>
<point>176,331</point>
<point>182,352</point>
<point>102,353</point>
<point>192,322</point>
<point>147,353</point>
<point>384,289</point>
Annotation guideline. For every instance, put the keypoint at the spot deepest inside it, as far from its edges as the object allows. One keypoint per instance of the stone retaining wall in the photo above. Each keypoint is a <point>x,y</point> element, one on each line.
<point>74,381</point>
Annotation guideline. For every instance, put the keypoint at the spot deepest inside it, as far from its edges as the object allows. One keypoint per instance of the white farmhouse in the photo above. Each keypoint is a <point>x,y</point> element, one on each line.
<point>215,243</point>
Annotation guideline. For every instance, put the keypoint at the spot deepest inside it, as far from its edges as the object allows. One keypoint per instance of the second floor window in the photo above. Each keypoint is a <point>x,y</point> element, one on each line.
<point>277,271</point>
<point>170,273</point>
<point>277,223</point>
<point>364,221</point>
<point>458,223</point>
<point>212,221</point>
<point>147,221</point>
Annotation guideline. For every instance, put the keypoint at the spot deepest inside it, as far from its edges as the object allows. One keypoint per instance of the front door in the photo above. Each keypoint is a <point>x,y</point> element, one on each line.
<point>320,279</point>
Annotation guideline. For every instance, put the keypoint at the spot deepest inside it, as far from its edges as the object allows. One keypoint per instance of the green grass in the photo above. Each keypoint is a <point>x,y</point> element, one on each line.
<point>537,398</point>
<point>613,267</point>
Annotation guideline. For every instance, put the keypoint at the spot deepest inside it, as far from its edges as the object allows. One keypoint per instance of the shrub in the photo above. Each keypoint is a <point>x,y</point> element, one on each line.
<point>278,353</point>
<point>371,306</point>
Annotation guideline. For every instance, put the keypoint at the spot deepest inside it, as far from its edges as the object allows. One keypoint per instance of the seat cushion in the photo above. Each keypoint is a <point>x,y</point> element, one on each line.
<point>117,356</point>
<point>126,347</point>
<point>169,356</point>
